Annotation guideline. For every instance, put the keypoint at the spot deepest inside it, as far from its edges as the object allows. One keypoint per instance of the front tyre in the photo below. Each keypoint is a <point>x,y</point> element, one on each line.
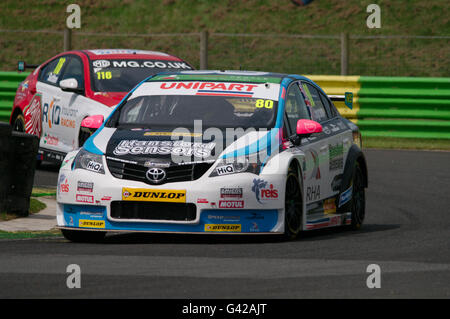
<point>358,203</point>
<point>292,206</point>
<point>83,236</point>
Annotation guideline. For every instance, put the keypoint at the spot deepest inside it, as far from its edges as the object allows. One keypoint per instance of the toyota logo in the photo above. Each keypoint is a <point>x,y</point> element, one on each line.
<point>155,175</point>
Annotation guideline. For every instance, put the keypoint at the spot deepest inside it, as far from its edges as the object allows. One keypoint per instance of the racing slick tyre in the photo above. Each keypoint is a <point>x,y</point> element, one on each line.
<point>292,206</point>
<point>358,201</point>
<point>83,236</point>
<point>18,124</point>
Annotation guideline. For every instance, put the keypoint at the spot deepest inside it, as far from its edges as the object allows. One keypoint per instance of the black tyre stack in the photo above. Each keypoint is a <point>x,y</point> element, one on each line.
<point>18,152</point>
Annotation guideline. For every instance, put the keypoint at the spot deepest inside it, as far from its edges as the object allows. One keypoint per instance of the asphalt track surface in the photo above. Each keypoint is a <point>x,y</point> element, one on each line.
<point>406,233</point>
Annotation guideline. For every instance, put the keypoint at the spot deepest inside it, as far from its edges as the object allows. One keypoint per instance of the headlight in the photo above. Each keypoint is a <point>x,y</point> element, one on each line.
<point>234,165</point>
<point>89,161</point>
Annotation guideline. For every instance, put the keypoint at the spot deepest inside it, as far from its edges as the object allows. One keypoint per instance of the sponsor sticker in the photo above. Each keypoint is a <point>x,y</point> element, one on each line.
<point>224,218</point>
<point>177,148</point>
<point>231,192</point>
<point>231,204</point>
<point>225,169</point>
<point>85,187</point>
<point>329,206</point>
<point>336,153</point>
<point>94,166</point>
<point>202,88</point>
<point>222,227</point>
<point>184,134</point>
<point>254,227</point>
<point>313,193</point>
<point>64,186</point>
<point>263,190</point>
<point>50,139</point>
<point>87,223</point>
<point>345,196</point>
<point>33,116</point>
<point>89,199</point>
<point>154,195</point>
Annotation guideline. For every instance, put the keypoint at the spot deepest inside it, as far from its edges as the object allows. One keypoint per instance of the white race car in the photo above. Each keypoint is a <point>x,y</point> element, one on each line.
<point>223,152</point>
<point>67,97</point>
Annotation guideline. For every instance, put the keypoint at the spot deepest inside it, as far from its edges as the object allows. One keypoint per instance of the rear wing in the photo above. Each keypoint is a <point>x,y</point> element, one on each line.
<point>22,66</point>
<point>347,99</point>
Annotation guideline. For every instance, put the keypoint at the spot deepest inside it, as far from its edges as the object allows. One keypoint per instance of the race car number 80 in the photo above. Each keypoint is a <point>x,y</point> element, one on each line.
<point>268,104</point>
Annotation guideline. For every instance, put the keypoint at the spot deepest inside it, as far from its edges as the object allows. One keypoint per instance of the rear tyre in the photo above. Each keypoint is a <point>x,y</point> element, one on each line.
<point>18,124</point>
<point>358,202</point>
<point>293,207</point>
<point>83,236</point>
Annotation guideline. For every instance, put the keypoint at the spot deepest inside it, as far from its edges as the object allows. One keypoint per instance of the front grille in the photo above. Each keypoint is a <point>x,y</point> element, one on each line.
<point>177,173</point>
<point>153,211</point>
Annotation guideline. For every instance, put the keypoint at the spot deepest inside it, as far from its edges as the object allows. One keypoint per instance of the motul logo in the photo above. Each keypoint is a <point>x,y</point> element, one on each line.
<point>231,204</point>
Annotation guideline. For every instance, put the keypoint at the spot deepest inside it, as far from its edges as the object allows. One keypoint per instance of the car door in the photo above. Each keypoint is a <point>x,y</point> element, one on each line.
<point>48,87</point>
<point>73,104</point>
<point>335,142</point>
<point>298,106</point>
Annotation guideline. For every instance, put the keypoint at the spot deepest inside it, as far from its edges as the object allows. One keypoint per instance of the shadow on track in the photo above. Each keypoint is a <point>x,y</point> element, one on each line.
<point>203,239</point>
<point>335,232</point>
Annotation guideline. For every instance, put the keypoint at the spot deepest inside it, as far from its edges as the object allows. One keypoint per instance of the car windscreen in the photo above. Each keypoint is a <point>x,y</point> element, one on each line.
<point>222,105</point>
<point>122,75</point>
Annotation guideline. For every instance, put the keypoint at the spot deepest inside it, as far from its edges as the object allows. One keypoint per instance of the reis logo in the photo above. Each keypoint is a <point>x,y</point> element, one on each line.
<point>263,191</point>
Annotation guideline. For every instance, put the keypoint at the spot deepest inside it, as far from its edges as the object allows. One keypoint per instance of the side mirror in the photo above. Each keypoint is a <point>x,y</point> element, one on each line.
<point>349,100</point>
<point>70,85</point>
<point>21,66</point>
<point>307,127</point>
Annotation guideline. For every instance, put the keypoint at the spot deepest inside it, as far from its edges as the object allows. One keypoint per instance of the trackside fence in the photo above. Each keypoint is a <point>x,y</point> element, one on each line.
<point>401,107</point>
<point>410,107</point>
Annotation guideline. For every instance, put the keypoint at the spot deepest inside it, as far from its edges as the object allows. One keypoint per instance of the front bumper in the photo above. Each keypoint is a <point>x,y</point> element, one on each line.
<point>86,202</point>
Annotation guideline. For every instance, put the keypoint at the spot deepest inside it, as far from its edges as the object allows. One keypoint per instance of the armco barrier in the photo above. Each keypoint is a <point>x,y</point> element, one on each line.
<point>9,82</point>
<point>382,106</point>
<point>394,106</point>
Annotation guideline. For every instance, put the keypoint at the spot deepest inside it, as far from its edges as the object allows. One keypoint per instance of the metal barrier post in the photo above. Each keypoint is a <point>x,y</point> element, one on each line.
<point>67,39</point>
<point>344,53</point>
<point>203,50</point>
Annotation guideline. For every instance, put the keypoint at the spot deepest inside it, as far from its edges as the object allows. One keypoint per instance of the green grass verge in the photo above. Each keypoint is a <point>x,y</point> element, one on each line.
<point>406,143</point>
<point>35,207</point>
<point>39,192</point>
<point>412,57</point>
<point>30,234</point>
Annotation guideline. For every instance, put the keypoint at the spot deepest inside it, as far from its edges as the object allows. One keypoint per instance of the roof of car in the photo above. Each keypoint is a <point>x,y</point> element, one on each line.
<point>225,75</point>
<point>127,54</point>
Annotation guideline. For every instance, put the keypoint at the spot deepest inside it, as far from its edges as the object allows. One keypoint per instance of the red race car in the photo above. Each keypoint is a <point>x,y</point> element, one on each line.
<point>68,97</point>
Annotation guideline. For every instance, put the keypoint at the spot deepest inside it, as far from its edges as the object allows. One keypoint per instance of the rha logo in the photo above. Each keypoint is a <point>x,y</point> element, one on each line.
<point>313,193</point>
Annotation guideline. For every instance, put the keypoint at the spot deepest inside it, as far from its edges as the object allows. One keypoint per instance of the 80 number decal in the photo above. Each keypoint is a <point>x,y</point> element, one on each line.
<point>268,104</point>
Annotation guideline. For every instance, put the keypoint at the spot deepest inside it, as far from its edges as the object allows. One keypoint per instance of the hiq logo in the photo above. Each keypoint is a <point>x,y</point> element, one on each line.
<point>51,114</point>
